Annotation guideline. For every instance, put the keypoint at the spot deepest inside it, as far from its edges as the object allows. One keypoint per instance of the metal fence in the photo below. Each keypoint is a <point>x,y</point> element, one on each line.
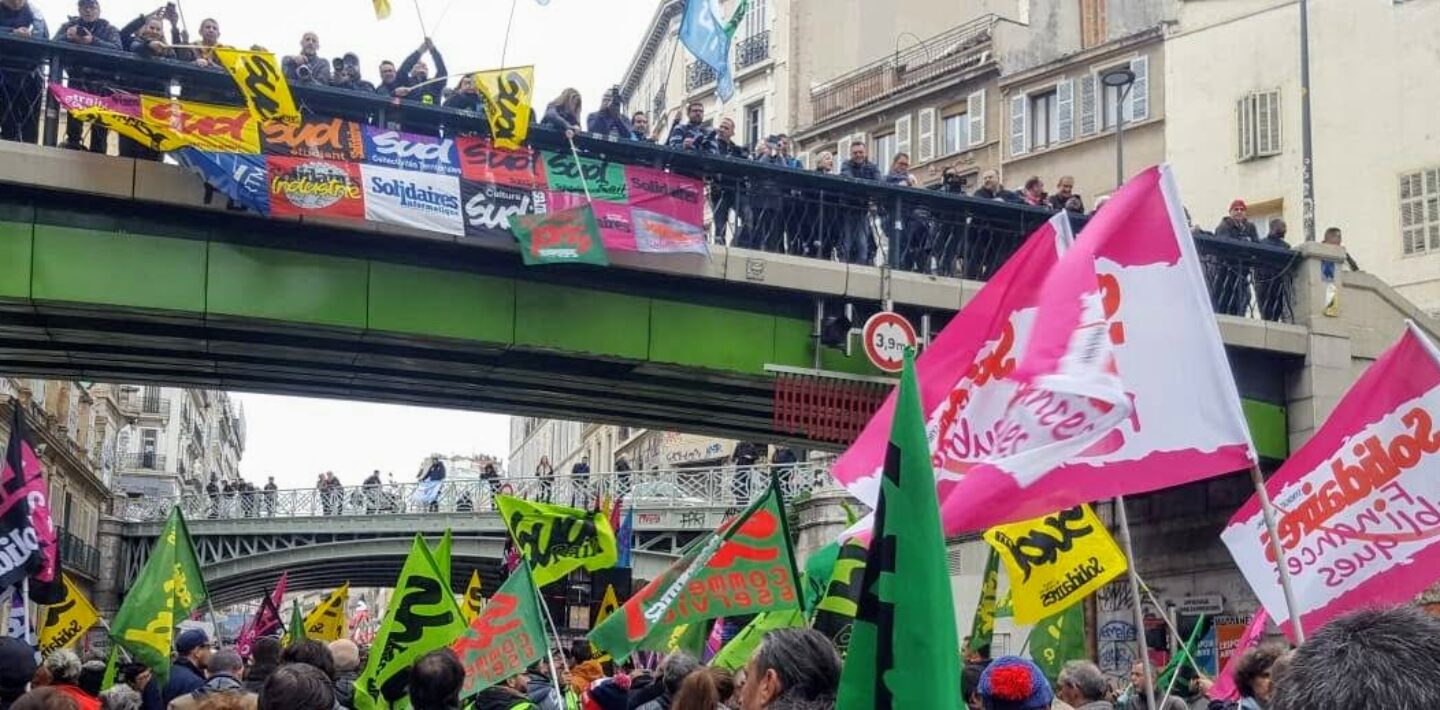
<point>750,204</point>
<point>710,487</point>
<point>77,554</point>
<point>142,462</point>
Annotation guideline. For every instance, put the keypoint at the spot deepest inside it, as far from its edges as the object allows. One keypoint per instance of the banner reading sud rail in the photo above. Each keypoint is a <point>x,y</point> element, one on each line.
<point>1359,504</point>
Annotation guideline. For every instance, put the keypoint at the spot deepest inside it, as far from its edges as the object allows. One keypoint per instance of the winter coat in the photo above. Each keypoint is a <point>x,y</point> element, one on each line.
<point>894,178</point>
<point>862,171</point>
<point>319,70</point>
<point>185,678</point>
<point>217,684</point>
<point>1057,202</point>
<point>557,119</point>
<point>603,124</point>
<point>466,102</point>
<point>500,698</point>
<point>1231,229</point>
<point>541,691</point>
<point>26,16</point>
<point>433,94</point>
<point>345,688</point>
<point>256,676</point>
<point>1275,241</point>
<point>650,697</point>
<point>84,700</point>
<point>697,132</point>
<point>104,34</point>
<point>140,46</point>
<point>716,145</point>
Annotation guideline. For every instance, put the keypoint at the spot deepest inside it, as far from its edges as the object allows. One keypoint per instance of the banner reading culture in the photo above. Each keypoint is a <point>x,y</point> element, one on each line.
<point>1357,505</point>
<point>1055,561</point>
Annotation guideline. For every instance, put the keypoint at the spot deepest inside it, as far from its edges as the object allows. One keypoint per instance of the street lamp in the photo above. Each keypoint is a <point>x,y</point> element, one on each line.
<point>1119,78</point>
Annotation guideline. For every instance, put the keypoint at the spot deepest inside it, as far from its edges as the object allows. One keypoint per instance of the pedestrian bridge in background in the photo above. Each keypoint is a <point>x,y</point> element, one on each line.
<point>362,534</point>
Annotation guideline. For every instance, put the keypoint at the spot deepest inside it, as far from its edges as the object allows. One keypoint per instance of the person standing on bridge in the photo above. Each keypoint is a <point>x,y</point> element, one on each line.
<point>580,482</point>
<point>371,486</point>
<point>431,480</point>
<point>546,474</point>
<point>492,481</point>
<point>212,491</point>
<point>270,494</point>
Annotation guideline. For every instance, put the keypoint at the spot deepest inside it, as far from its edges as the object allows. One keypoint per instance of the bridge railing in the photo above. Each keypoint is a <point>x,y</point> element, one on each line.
<point>749,204</point>
<point>712,487</point>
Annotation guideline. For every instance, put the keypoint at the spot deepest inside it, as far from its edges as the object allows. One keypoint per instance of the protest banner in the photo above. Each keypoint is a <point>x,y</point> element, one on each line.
<point>564,237</point>
<point>508,94</point>
<point>261,82</point>
<point>34,553</point>
<point>66,620</point>
<point>556,539</point>
<point>266,619</point>
<point>506,638</point>
<point>474,599</point>
<point>326,622</point>
<point>219,129</point>
<point>168,589</point>
<point>1055,561</point>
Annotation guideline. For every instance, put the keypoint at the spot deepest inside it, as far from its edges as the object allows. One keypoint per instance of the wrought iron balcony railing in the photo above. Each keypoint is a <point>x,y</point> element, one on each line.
<point>752,50</point>
<point>698,74</point>
<point>77,554</point>
<point>142,462</point>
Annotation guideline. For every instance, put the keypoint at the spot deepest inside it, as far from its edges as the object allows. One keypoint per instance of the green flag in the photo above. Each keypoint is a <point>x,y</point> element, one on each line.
<point>736,17</point>
<point>168,588</point>
<point>819,567</point>
<point>1058,639</point>
<point>689,638</point>
<point>903,643</point>
<point>738,651</point>
<point>441,553</point>
<point>570,236</point>
<point>835,613</point>
<point>505,638</point>
<point>112,664</point>
<point>422,617</point>
<point>557,540</point>
<point>296,632</point>
<point>1005,609</point>
<point>1185,655</point>
<point>745,567</point>
<point>982,629</point>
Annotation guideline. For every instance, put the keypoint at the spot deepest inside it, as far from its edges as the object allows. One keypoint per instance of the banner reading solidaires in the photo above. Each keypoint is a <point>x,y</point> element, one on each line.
<point>1359,506</point>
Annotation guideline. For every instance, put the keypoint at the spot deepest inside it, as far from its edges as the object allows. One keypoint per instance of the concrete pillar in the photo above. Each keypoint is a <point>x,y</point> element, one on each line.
<point>819,520</point>
<point>1313,392</point>
<point>109,586</point>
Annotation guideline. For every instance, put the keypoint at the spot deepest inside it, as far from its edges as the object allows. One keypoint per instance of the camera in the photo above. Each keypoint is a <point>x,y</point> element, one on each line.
<point>302,72</point>
<point>338,64</point>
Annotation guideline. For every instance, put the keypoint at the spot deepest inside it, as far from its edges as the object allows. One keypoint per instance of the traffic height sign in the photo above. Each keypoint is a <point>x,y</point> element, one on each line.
<point>886,336</point>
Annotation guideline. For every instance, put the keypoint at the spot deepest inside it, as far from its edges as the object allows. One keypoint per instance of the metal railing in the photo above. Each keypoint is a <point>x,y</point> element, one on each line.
<point>752,50</point>
<point>934,59</point>
<point>698,74</point>
<point>749,204</point>
<point>77,554</point>
<point>717,487</point>
<point>142,462</point>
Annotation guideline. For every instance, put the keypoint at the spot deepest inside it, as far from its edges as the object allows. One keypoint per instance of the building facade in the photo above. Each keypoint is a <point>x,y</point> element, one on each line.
<point>181,439</point>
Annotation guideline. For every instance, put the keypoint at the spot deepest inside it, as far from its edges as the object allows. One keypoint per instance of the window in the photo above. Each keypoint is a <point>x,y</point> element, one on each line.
<point>884,151</point>
<point>754,123</point>
<point>1092,23</point>
<point>955,130</point>
<point>755,17</point>
<point>1044,120</point>
<point>1257,125</point>
<point>1420,212</point>
<point>1100,105</point>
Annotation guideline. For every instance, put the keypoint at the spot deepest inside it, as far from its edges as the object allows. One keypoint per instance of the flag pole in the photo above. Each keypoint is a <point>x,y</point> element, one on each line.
<point>423,32</point>
<point>554,677</point>
<point>1267,510</point>
<point>579,169</point>
<point>1123,521</point>
<point>1174,633</point>
<point>505,46</point>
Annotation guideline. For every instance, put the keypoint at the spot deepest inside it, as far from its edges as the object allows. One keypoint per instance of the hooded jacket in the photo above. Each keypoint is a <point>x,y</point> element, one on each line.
<point>541,691</point>
<point>222,683</point>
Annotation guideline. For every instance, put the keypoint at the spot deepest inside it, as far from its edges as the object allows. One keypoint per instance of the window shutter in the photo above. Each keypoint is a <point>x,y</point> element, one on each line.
<point>902,134</point>
<point>1244,122</point>
<point>1017,124</point>
<point>1267,123</point>
<point>1139,107</point>
<point>975,112</point>
<point>1065,110</point>
<point>1087,105</point>
<point>927,135</point>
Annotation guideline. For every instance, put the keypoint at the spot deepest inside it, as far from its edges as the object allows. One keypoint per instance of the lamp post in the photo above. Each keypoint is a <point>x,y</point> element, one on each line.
<point>1119,78</point>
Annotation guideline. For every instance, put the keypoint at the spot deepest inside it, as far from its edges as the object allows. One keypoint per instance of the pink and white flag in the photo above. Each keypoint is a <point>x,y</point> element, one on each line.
<point>1123,386</point>
<point>1225,688</point>
<point>1358,507</point>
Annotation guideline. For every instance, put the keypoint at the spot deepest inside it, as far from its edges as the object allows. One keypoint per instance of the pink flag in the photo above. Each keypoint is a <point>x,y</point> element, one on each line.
<point>29,527</point>
<point>1122,333</point>
<point>1358,507</point>
<point>266,619</point>
<point>73,99</point>
<point>1224,688</point>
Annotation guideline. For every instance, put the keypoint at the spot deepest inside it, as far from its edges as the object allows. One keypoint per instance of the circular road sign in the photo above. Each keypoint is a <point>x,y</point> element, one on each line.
<point>887,334</point>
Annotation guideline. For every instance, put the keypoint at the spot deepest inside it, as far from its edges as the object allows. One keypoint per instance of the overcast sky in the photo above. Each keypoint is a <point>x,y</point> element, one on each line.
<point>585,44</point>
<point>581,43</point>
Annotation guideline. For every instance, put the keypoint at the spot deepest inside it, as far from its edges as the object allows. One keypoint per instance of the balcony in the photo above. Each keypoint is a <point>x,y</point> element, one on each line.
<point>698,74</point>
<point>936,59</point>
<point>142,462</point>
<point>139,404</point>
<point>76,554</point>
<point>752,50</point>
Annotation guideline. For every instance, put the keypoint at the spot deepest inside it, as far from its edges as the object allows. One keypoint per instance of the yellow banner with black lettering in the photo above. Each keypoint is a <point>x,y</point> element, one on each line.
<point>261,82</point>
<point>508,93</point>
<point>150,134</point>
<point>1056,560</point>
<point>557,540</point>
<point>327,621</point>
<point>219,129</point>
<point>66,620</point>
<point>474,601</point>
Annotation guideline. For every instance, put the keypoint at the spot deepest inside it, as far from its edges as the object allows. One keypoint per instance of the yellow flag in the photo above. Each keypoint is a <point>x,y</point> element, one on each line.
<point>327,622</point>
<point>66,620</point>
<point>556,539</point>
<point>1055,561</point>
<point>473,601</point>
<point>507,103</point>
<point>261,82</point>
<point>382,9</point>
<point>152,135</point>
<point>608,605</point>
<point>219,129</point>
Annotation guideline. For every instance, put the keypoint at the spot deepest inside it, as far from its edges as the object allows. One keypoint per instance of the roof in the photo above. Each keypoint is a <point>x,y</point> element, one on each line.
<point>649,44</point>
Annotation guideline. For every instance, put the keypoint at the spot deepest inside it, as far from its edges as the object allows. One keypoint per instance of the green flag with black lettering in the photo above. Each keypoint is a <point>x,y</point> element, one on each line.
<point>169,587</point>
<point>441,553</point>
<point>422,617</point>
<point>982,628</point>
<point>903,644</point>
<point>835,613</point>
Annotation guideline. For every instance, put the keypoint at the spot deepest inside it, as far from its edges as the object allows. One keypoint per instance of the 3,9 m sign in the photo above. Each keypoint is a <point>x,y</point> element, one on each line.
<point>886,336</point>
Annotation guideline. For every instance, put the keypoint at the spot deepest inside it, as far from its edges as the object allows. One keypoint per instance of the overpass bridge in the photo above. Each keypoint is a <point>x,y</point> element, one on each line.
<point>362,534</point>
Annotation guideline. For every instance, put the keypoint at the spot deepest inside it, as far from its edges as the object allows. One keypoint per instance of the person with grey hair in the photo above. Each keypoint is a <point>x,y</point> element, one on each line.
<point>225,668</point>
<point>347,670</point>
<point>120,697</point>
<point>64,669</point>
<point>793,668</point>
<point>673,671</point>
<point>1374,658</point>
<point>1083,686</point>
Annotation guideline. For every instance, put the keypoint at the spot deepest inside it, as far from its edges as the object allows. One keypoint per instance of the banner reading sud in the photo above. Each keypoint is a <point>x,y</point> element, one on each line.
<point>1359,505</point>
<point>557,540</point>
<point>745,567</point>
<point>1055,561</point>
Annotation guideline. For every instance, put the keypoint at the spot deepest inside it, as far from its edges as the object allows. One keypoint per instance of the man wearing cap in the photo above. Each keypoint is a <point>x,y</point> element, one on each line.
<point>347,74</point>
<point>187,673</point>
<point>1236,226</point>
<point>17,667</point>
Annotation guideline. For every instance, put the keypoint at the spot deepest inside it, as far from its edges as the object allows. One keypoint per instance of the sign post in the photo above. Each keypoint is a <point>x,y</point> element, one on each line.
<point>887,334</point>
